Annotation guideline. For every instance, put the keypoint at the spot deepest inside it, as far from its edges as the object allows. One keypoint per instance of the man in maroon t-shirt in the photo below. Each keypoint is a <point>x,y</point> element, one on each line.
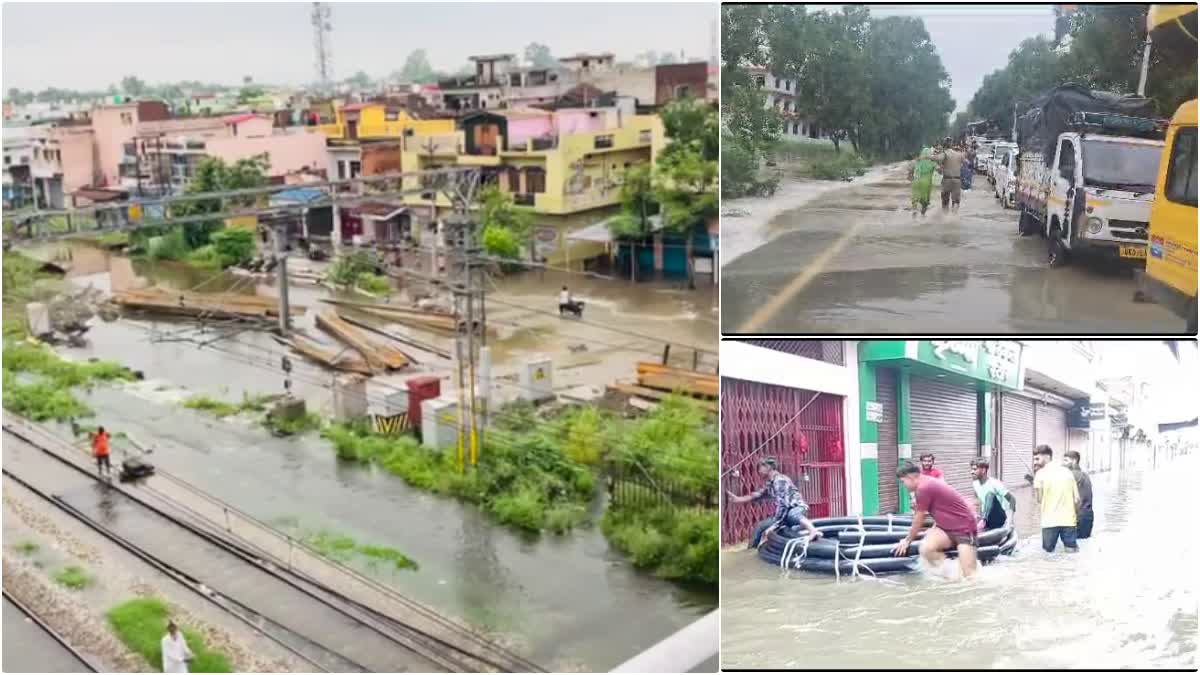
<point>954,520</point>
<point>928,469</point>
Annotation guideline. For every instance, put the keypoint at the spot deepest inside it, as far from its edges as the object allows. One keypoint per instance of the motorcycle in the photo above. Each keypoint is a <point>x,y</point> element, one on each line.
<point>574,308</point>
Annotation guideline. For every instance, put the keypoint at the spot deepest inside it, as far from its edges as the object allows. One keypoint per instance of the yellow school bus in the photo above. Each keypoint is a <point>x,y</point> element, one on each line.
<point>1171,263</point>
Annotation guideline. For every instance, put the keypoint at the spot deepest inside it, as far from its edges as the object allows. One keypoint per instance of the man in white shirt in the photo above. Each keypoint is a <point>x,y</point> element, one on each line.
<point>564,300</point>
<point>175,651</point>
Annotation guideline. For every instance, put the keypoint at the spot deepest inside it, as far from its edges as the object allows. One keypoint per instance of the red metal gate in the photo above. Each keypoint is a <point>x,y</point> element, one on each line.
<point>810,449</point>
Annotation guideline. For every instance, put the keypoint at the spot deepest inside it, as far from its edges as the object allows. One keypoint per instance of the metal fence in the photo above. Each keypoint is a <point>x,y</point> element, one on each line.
<point>631,486</point>
<point>762,420</point>
<point>829,351</point>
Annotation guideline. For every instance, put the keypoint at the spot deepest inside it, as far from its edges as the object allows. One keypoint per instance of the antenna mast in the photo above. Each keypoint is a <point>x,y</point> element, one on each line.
<point>322,44</point>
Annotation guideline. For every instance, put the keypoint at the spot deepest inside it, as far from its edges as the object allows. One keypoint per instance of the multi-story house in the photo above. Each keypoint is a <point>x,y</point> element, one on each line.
<point>783,96</point>
<point>45,163</point>
<point>555,162</point>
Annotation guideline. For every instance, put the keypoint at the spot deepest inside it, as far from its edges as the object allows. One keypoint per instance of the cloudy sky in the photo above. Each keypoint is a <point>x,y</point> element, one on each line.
<point>1173,383</point>
<point>92,45</point>
<point>974,40</point>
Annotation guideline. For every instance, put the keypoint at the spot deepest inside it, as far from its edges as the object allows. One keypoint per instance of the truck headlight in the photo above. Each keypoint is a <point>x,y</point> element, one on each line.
<point>1094,225</point>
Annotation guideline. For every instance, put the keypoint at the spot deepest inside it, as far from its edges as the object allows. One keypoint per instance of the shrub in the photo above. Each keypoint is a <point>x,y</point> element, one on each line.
<point>141,624</point>
<point>375,283</point>
<point>672,543</point>
<point>170,246</point>
<point>500,242</point>
<point>285,426</point>
<point>234,245</point>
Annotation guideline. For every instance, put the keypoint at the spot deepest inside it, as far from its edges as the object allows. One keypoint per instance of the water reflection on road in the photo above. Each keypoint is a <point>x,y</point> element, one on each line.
<point>1125,601</point>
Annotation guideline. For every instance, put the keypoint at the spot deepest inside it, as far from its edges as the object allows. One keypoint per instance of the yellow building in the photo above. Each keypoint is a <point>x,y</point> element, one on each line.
<point>557,163</point>
<point>379,120</point>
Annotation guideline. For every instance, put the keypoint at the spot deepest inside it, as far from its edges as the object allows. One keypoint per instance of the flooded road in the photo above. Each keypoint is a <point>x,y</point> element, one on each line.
<point>855,261</point>
<point>1126,600</point>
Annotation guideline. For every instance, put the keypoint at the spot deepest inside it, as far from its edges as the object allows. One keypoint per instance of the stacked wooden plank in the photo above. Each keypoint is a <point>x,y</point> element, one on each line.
<point>655,394</point>
<point>378,356</point>
<point>339,359</point>
<point>188,303</point>
<point>434,320</point>
<point>665,378</point>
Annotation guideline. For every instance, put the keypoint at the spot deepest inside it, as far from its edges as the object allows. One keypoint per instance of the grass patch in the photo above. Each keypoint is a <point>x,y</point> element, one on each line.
<point>219,408</point>
<point>27,547</point>
<point>282,426</point>
<point>342,548</point>
<point>24,282</point>
<point>376,284</point>
<point>44,393</point>
<point>141,624</point>
<point>74,577</point>
<point>819,160</point>
<point>672,543</point>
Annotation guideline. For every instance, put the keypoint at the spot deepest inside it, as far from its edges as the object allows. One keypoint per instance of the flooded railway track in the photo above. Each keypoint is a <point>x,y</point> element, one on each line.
<point>46,647</point>
<point>308,618</point>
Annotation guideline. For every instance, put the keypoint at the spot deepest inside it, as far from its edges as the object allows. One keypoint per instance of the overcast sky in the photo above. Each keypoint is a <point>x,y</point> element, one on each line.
<point>1173,383</point>
<point>974,40</point>
<point>92,45</point>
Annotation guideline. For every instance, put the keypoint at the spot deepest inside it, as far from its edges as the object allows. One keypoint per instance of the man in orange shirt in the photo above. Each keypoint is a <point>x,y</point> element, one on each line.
<point>101,451</point>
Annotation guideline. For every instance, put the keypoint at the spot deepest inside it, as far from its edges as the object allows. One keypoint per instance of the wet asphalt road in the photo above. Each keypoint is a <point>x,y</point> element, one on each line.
<point>855,261</point>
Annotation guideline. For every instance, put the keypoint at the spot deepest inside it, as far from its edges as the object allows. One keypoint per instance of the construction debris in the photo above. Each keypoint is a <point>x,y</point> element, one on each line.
<point>379,357</point>
<point>344,359</point>
<point>212,305</point>
<point>665,378</point>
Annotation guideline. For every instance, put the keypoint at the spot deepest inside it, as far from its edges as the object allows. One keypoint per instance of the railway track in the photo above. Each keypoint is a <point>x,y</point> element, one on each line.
<point>49,650</point>
<point>466,652</point>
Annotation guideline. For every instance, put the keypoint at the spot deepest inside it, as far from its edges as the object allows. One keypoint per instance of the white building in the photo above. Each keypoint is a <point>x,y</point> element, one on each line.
<point>783,96</point>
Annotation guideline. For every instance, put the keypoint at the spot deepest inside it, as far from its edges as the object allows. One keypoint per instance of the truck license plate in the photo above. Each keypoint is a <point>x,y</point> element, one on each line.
<point>1133,252</point>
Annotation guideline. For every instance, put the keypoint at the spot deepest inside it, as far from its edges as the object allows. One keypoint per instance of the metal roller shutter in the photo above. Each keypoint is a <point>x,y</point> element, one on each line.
<point>889,450</point>
<point>1051,428</point>
<point>943,422</point>
<point>1016,439</point>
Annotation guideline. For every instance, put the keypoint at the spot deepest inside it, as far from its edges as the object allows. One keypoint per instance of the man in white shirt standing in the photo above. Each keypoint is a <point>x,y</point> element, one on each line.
<point>175,651</point>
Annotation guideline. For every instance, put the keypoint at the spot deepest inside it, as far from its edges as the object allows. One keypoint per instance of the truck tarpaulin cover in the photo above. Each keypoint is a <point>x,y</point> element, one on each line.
<point>1038,129</point>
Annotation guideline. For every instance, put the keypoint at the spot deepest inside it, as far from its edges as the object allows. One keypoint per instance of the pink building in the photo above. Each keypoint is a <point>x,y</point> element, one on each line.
<point>115,125</point>
<point>524,125</point>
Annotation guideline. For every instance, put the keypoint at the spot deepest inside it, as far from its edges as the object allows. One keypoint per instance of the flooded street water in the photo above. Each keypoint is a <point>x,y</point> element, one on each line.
<point>874,269</point>
<point>566,602</point>
<point>1126,600</point>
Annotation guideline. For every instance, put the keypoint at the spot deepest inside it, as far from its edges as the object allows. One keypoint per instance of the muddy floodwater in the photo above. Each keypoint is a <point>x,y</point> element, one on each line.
<point>869,267</point>
<point>1126,600</point>
<point>566,602</point>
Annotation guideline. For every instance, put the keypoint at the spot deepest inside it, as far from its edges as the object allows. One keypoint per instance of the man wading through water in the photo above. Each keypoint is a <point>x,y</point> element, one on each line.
<point>790,508</point>
<point>954,521</point>
<point>1058,499</point>
<point>1083,484</point>
<point>951,163</point>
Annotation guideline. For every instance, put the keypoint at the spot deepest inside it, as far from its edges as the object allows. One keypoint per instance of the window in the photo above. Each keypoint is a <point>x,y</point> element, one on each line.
<point>777,83</point>
<point>603,141</point>
<point>787,85</point>
<point>645,136</point>
<point>7,160</point>
<point>785,127</point>
<point>683,91</point>
<point>1181,174</point>
<point>391,116</point>
<point>341,170</point>
<point>760,81</point>
<point>126,118</point>
<point>796,128</point>
<point>355,169</point>
<point>535,180</point>
<point>1066,160</point>
<point>627,165</point>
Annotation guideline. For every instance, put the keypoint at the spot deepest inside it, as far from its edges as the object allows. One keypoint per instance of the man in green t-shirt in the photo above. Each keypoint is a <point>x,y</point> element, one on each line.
<point>996,503</point>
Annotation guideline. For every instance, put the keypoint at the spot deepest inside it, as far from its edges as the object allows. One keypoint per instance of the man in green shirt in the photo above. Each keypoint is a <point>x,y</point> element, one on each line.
<point>996,503</point>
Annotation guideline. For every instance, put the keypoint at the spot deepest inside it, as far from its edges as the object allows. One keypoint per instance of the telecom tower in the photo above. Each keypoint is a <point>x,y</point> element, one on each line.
<point>712,49</point>
<point>322,45</point>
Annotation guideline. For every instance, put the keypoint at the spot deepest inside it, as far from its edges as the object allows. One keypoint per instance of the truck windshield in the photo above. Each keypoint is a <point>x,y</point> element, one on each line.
<point>1121,165</point>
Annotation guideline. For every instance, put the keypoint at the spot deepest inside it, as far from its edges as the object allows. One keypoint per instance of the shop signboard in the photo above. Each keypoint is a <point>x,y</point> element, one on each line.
<point>1080,415</point>
<point>994,361</point>
<point>874,411</point>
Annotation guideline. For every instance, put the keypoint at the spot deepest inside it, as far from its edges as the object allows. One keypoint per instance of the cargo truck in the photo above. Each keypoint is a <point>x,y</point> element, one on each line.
<point>1086,170</point>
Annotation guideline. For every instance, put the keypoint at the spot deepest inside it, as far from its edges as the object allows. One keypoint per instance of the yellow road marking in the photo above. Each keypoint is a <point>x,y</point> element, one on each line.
<point>769,310</point>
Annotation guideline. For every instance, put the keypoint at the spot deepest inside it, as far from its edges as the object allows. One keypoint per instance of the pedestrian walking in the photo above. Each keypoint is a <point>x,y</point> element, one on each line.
<point>101,451</point>
<point>921,175</point>
<point>950,161</point>
<point>996,503</point>
<point>175,651</point>
<point>790,507</point>
<point>1083,483</point>
<point>954,521</point>
<point>968,170</point>
<point>1058,500</point>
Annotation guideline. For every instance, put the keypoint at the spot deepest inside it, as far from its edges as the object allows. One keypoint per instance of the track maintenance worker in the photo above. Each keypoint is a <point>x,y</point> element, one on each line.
<point>954,521</point>
<point>101,450</point>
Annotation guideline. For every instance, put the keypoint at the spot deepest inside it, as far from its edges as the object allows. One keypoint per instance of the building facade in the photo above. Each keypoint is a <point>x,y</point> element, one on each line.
<point>782,95</point>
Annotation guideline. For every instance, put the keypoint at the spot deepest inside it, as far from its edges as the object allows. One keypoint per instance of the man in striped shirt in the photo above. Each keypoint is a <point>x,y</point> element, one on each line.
<point>790,507</point>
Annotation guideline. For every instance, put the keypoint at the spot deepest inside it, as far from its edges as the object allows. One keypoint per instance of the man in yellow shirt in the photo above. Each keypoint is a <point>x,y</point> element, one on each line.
<point>1058,499</point>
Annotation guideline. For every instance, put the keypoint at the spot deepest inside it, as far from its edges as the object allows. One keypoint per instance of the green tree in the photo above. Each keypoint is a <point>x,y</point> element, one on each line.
<point>133,86</point>
<point>538,55</point>
<point>249,93</point>
<point>214,175</point>
<point>692,123</point>
<point>417,68</point>
<point>686,191</point>
<point>509,224</point>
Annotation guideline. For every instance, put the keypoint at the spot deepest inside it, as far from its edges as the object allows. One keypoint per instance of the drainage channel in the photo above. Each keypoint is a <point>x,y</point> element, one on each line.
<point>31,645</point>
<point>316,630</point>
<point>449,645</point>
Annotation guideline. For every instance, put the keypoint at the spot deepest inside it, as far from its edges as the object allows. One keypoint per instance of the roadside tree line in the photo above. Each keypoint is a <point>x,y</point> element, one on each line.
<point>1097,46</point>
<point>876,82</point>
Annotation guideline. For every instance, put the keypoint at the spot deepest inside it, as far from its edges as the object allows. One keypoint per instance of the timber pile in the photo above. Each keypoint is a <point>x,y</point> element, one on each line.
<point>340,359</point>
<point>666,378</point>
<point>188,303</point>
<point>379,357</point>
<point>655,395</point>
<point>418,318</point>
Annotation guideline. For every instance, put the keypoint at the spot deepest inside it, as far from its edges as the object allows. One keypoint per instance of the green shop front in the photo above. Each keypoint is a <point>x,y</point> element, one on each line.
<point>929,396</point>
